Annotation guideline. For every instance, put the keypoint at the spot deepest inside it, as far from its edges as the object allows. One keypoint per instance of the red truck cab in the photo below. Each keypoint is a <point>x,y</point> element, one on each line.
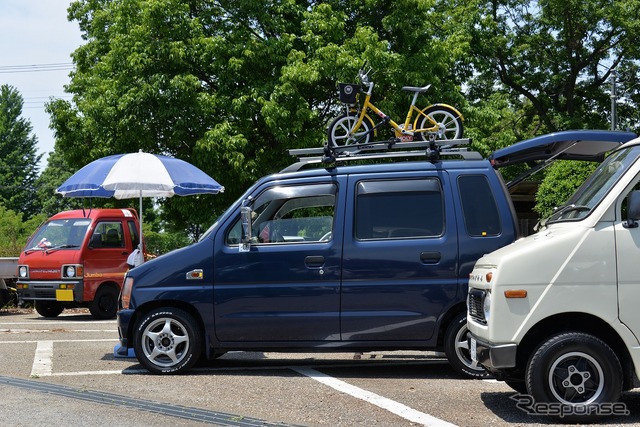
<point>78,258</point>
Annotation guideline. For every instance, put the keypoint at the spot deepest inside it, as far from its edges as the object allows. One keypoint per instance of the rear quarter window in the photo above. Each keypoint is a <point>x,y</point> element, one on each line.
<point>479,208</point>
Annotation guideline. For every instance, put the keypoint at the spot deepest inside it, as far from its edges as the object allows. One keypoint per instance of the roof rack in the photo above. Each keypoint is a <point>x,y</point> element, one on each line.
<point>433,150</point>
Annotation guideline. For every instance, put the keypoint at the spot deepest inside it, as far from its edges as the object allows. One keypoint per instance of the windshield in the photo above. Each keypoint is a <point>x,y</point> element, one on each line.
<point>59,234</point>
<point>596,187</point>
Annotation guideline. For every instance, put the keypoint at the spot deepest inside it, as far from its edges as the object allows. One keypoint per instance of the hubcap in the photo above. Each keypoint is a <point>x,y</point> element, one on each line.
<point>165,342</point>
<point>576,378</point>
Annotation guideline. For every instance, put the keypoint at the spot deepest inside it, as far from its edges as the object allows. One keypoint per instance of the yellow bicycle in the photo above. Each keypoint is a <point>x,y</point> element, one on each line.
<point>355,126</point>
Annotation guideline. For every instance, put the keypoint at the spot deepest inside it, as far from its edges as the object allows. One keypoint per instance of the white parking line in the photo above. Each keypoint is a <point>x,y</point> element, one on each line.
<point>42,362</point>
<point>41,331</point>
<point>377,400</point>
<point>69,323</point>
<point>64,341</point>
<point>43,366</point>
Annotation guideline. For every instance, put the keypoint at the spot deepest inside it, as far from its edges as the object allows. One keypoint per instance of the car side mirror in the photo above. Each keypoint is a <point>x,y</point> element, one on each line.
<point>96,241</point>
<point>245,217</point>
<point>633,210</point>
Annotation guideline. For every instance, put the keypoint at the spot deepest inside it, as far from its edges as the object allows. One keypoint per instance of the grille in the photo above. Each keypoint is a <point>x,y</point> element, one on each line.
<point>476,302</point>
<point>45,293</point>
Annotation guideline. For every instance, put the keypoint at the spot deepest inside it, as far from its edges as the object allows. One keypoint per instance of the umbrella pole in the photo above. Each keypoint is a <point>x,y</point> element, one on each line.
<point>141,244</point>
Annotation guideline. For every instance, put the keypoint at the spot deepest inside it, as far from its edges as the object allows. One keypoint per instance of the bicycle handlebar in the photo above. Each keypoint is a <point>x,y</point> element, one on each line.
<point>363,73</point>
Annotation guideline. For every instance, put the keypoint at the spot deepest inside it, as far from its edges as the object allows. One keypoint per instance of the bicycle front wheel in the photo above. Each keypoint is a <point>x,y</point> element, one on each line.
<point>442,121</point>
<point>341,131</point>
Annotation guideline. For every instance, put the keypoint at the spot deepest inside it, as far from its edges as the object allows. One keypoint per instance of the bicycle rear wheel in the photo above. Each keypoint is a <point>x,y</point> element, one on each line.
<point>448,123</point>
<point>341,131</point>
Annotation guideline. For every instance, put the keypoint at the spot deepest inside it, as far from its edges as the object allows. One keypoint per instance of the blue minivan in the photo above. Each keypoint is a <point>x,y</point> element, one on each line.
<point>337,258</point>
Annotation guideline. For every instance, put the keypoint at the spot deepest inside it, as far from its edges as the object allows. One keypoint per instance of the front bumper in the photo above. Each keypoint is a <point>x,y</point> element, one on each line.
<point>49,290</point>
<point>493,356</point>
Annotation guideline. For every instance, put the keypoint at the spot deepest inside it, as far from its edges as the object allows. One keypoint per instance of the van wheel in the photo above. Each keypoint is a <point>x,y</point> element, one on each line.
<point>105,303</point>
<point>456,347</point>
<point>49,308</point>
<point>575,370</point>
<point>167,341</point>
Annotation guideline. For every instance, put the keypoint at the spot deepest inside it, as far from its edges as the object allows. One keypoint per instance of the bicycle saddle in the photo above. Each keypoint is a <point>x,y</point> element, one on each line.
<point>416,89</point>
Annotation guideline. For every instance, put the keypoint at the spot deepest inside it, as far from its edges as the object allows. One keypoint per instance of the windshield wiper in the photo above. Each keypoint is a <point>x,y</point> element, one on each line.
<point>565,210</point>
<point>33,249</point>
<point>558,213</point>
<point>55,248</point>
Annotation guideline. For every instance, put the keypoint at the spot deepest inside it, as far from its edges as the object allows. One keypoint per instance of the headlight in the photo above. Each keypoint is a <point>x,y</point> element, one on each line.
<point>23,271</point>
<point>125,297</point>
<point>72,271</point>
<point>487,306</point>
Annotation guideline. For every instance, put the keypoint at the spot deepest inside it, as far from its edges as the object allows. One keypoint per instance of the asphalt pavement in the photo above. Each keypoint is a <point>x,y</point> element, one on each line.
<point>62,370</point>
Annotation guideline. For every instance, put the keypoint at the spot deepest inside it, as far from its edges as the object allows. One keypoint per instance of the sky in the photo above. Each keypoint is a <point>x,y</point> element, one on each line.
<point>34,35</point>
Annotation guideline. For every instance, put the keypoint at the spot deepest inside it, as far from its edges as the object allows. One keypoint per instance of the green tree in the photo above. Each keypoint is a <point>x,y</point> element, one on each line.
<point>18,155</point>
<point>553,61</point>
<point>230,85</point>
<point>56,172</point>
<point>561,182</point>
<point>554,57</point>
<point>14,231</point>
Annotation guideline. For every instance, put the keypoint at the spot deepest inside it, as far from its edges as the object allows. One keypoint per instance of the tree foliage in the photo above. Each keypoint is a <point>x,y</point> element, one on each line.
<point>231,85</point>
<point>14,231</point>
<point>550,64</point>
<point>562,180</point>
<point>18,155</point>
<point>554,58</point>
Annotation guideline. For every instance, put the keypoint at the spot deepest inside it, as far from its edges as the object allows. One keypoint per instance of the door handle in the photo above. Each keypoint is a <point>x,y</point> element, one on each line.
<point>314,261</point>
<point>430,257</point>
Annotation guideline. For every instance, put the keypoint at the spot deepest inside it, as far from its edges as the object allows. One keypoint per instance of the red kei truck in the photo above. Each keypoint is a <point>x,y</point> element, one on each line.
<point>78,258</point>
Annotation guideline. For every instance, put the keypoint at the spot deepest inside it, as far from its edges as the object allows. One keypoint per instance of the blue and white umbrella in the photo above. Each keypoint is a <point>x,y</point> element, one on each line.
<point>128,176</point>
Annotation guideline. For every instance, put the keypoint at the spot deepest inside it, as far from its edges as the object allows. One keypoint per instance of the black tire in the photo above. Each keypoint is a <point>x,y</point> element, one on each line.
<point>448,120</point>
<point>105,303</point>
<point>5,297</point>
<point>340,127</point>
<point>574,369</point>
<point>49,308</point>
<point>167,341</point>
<point>456,347</point>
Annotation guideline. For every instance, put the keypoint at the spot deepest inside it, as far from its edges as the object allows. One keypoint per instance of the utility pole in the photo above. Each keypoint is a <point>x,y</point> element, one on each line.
<point>614,96</point>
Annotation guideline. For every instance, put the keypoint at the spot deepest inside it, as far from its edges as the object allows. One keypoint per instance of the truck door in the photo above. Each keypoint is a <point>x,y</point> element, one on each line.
<point>400,257</point>
<point>626,251</point>
<point>287,286</point>
<point>105,255</point>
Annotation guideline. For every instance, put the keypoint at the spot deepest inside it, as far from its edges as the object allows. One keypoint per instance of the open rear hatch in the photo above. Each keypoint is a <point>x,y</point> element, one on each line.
<point>542,151</point>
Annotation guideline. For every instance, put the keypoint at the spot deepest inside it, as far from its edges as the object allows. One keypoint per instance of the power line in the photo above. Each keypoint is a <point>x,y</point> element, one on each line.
<point>58,66</point>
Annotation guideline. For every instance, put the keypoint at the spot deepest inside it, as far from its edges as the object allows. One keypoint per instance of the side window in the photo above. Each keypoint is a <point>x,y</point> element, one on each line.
<point>399,209</point>
<point>481,217</point>
<point>108,234</point>
<point>290,214</point>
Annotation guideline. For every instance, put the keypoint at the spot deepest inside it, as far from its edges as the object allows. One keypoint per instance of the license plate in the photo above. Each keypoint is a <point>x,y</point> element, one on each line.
<point>473,348</point>
<point>64,294</point>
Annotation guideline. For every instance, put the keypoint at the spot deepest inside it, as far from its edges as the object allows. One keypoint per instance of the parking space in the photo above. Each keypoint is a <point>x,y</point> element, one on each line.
<point>65,367</point>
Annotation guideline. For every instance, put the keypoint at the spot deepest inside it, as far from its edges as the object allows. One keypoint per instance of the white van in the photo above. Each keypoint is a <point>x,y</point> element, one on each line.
<point>557,314</point>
